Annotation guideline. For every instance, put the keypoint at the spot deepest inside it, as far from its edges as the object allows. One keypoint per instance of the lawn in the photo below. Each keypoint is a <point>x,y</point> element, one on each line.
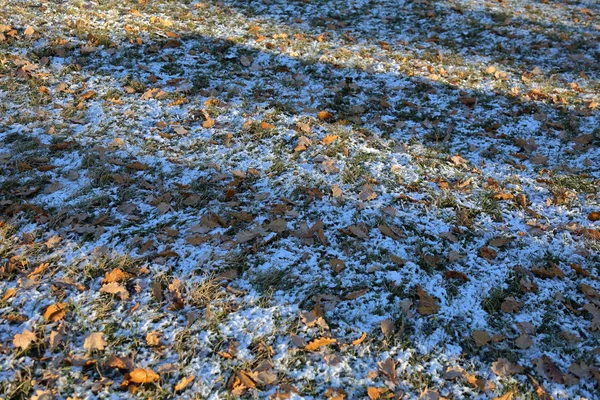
<point>358,199</point>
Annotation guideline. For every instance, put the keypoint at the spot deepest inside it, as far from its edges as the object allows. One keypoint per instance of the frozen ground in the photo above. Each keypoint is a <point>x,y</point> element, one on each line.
<point>300,199</point>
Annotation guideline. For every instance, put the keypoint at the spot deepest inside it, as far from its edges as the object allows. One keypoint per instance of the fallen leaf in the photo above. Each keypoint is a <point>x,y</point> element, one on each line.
<point>594,216</point>
<point>29,31</point>
<point>55,312</point>
<point>10,292</point>
<point>116,289</point>
<point>427,304</point>
<point>302,144</point>
<point>115,275</point>
<point>506,396</point>
<point>387,327</point>
<point>503,367</point>
<point>318,343</point>
<point>329,139</point>
<point>24,339</point>
<point>143,375</point>
<point>325,116</point>
<point>360,339</point>
<point>336,265</point>
<point>510,305</point>
<point>184,382</point>
<point>94,341</point>
<point>388,368</point>
<point>481,338</point>
<point>524,341</point>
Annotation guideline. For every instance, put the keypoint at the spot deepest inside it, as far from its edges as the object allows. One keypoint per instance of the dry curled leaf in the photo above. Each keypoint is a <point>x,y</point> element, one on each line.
<point>360,339</point>
<point>316,344</point>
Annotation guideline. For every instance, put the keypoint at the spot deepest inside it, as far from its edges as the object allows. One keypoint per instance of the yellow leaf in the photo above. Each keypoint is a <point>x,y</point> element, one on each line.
<point>184,382</point>
<point>143,375</point>
<point>318,343</point>
<point>29,31</point>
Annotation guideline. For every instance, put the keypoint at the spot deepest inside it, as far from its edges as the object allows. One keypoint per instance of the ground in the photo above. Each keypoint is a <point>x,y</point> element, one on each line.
<point>300,199</point>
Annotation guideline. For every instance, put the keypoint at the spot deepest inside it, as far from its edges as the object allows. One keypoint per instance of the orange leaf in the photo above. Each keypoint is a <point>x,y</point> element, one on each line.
<point>324,115</point>
<point>143,375</point>
<point>182,384</point>
<point>318,343</point>
<point>115,275</point>
<point>55,312</point>
<point>9,293</point>
<point>329,139</point>
<point>360,339</point>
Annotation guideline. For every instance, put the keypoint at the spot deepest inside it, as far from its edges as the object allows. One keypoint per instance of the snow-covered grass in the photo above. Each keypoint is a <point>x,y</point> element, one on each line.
<point>300,199</point>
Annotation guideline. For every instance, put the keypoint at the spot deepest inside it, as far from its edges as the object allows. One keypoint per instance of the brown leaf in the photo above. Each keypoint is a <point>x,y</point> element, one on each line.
<point>540,390</point>
<point>56,336</point>
<point>488,253</point>
<point>94,341</point>
<point>55,312</point>
<point>336,191</point>
<point>427,304</point>
<point>316,344</point>
<point>137,166</point>
<point>116,289</point>
<point>122,363</point>
<point>302,144</point>
<point>143,375</point>
<point>367,193</point>
<point>524,341</point>
<point>594,216</point>
<point>336,265</point>
<point>510,305</point>
<point>388,369</point>
<point>387,327</point>
<point>503,367</point>
<point>29,31</point>
<point>24,339</point>
<point>481,338</point>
